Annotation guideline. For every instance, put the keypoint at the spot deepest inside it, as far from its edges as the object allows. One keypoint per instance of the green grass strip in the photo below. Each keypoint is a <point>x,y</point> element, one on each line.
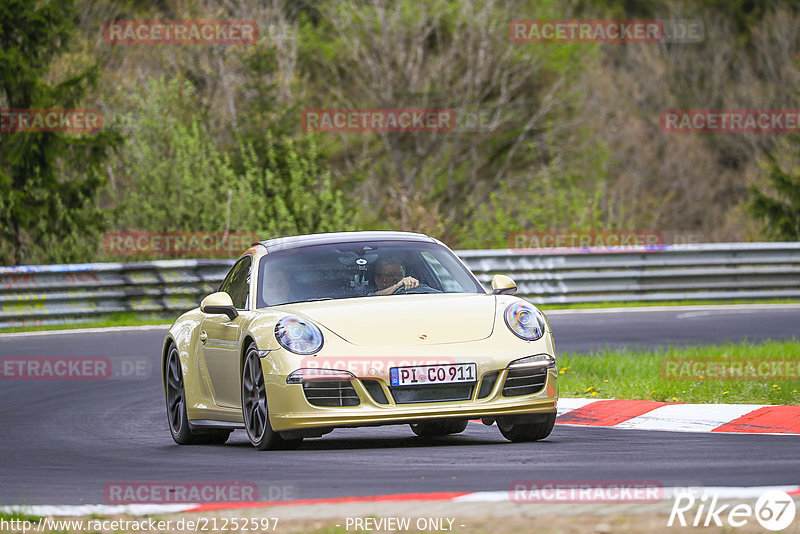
<point>644,374</point>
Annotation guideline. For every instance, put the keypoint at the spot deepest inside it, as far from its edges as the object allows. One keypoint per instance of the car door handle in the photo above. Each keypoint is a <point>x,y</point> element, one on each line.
<point>203,337</point>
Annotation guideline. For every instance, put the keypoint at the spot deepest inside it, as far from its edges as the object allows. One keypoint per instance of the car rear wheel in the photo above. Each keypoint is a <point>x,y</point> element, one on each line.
<point>538,428</point>
<point>438,428</point>
<point>176,407</point>
<point>254,407</point>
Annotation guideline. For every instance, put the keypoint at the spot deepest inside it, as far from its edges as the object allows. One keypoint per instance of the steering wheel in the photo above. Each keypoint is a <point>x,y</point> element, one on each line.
<point>422,288</point>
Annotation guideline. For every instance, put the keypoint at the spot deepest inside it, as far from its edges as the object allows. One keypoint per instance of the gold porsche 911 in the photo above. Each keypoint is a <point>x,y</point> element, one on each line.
<point>314,332</point>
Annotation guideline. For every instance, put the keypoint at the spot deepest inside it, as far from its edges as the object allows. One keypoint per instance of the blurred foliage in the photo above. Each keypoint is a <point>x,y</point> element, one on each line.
<point>48,180</point>
<point>777,203</point>
<point>171,176</point>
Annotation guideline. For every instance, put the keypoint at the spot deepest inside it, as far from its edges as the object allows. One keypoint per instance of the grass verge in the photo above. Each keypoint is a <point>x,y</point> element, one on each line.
<point>19,517</point>
<point>669,375</point>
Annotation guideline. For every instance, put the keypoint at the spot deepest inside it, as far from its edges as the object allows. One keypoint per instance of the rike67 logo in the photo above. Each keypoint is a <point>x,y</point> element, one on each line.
<point>774,510</point>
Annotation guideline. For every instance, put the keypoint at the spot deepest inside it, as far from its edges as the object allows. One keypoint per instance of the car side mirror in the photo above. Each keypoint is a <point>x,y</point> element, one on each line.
<point>503,285</point>
<point>219,303</point>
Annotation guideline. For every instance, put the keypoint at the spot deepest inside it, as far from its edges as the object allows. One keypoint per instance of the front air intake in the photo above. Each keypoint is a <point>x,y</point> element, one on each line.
<point>432,393</point>
<point>330,393</point>
<point>524,381</point>
<point>375,391</point>
<point>487,384</point>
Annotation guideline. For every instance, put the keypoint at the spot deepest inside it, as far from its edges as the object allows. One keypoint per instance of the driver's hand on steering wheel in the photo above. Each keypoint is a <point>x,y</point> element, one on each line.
<point>409,282</point>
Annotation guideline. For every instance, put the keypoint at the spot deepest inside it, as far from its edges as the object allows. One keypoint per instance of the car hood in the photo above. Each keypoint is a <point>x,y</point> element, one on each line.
<point>404,319</point>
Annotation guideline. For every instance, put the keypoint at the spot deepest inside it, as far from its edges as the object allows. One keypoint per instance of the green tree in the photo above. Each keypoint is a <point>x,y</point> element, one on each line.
<point>555,198</point>
<point>172,176</point>
<point>779,205</point>
<point>292,192</point>
<point>48,180</point>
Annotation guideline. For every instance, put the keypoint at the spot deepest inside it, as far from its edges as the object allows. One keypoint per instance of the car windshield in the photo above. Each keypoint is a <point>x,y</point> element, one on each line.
<point>347,270</point>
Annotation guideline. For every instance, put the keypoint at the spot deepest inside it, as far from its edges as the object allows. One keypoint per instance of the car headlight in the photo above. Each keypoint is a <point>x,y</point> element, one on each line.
<point>539,360</point>
<point>525,320</point>
<point>298,335</point>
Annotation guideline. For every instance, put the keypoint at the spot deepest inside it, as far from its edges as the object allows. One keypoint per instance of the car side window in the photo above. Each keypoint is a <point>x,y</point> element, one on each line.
<point>237,283</point>
<point>449,283</point>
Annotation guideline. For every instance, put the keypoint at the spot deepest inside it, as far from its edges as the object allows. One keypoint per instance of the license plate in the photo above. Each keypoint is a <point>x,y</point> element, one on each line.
<point>420,375</point>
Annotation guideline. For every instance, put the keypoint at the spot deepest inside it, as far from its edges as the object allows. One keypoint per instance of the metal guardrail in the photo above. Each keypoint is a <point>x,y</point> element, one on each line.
<point>54,294</point>
<point>51,294</point>
<point>716,271</point>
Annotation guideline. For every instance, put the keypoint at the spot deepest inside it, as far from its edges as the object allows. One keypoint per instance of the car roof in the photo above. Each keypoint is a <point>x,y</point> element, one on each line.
<point>286,243</point>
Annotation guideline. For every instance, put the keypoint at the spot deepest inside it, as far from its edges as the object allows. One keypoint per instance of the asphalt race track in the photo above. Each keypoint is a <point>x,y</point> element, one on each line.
<point>64,441</point>
<point>587,330</point>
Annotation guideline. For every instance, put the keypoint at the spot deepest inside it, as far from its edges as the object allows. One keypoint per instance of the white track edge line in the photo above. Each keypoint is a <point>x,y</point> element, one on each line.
<point>565,311</point>
<point>104,329</point>
<point>725,492</point>
<point>697,307</point>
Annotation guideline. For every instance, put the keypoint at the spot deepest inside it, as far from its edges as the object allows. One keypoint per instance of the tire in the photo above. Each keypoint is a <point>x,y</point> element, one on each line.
<point>538,429</point>
<point>438,428</point>
<point>176,407</point>
<point>255,411</point>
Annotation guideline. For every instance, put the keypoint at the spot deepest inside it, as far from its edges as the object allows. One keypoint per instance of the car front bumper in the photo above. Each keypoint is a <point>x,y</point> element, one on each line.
<point>290,410</point>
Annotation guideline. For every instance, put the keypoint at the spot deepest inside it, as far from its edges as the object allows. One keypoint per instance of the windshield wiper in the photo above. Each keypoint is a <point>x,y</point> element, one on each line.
<point>316,299</point>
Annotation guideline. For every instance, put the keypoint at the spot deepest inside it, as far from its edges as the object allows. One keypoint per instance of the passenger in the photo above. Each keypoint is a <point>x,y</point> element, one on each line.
<point>277,290</point>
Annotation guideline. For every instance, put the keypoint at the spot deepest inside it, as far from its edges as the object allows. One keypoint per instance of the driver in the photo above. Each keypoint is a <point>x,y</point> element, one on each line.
<point>390,276</point>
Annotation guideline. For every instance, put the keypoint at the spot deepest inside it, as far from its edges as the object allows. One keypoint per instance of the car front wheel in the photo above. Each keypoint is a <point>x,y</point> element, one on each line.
<point>531,428</point>
<point>255,410</point>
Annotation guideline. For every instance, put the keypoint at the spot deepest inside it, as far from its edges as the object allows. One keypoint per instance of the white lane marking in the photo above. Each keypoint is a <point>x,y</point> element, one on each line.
<point>484,496</point>
<point>164,327</point>
<point>724,492</point>
<point>711,308</point>
<point>689,315</point>
<point>689,417</point>
<point>702,307</point>
<point>567,404</point>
